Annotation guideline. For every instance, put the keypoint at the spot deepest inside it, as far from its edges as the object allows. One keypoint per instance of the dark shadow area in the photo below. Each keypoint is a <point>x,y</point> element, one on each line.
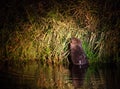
<point>104,76</point>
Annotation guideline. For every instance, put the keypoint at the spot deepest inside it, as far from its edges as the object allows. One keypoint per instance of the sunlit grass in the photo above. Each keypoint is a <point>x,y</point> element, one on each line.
<point>44,34</point>
<point>49,44</point>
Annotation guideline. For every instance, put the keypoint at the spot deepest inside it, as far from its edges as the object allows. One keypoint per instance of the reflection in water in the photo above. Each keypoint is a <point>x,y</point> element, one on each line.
<point>103,76</point>
<point>34,76</point>
<point>77,74</point>
<point>112,76</point>
<point>37,76</point>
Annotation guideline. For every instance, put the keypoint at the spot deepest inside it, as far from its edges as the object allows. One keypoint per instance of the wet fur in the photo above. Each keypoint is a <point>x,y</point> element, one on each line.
<point>77,55</point>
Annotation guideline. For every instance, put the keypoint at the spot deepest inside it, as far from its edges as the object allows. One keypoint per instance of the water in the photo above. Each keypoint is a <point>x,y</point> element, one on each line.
<point>37,76</point>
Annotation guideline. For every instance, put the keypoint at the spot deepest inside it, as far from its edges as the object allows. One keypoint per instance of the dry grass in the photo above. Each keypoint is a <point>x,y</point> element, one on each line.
<point>46,32</point>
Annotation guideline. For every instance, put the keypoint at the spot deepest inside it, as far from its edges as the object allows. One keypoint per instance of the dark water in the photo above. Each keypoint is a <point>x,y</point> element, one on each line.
<point>37,76</point>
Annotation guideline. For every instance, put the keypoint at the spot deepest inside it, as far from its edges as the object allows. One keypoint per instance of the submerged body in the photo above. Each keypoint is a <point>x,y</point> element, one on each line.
<point>77,54</point>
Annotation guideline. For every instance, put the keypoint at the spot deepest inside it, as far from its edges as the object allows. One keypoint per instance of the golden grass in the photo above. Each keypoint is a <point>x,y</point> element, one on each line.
<point>46,34</point>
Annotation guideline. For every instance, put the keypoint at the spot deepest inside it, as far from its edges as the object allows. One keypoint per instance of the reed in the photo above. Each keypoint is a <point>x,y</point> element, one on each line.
<point>48,43</point>
<point>44,31</point>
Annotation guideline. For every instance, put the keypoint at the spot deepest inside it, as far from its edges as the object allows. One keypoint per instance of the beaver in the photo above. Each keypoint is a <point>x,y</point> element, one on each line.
<point>77,55</point>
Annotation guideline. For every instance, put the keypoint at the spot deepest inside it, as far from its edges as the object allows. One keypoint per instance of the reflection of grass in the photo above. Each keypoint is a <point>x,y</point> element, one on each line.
<point>37,76</point>
<point>51,77</point>
<point>94,75</point>
<point>100,73</point>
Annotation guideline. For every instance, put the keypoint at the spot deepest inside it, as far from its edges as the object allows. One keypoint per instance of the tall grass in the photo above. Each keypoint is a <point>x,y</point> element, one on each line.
<point>45,29</point>
<point>45,40</point>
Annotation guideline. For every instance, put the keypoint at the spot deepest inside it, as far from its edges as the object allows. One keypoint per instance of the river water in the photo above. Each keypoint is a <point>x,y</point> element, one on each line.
<point>38,76</point>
